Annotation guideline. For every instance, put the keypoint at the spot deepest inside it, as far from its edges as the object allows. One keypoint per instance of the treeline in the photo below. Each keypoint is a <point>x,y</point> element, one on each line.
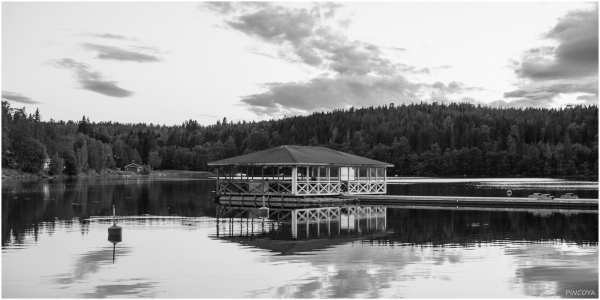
<point>419,139</point>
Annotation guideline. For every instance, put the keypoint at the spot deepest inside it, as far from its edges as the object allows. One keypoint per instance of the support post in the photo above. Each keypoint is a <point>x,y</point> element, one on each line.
<point>294,181</point>
<point>384,218</point>
<point>384,178</point>
<point>294,223</point>
<point>217,189</point>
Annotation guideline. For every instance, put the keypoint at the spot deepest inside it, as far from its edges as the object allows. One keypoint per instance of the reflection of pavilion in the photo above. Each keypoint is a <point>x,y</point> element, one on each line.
<point>299,230</point>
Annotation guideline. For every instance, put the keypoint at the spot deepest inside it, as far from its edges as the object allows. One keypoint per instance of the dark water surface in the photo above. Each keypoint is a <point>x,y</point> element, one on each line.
<point>54,244</point>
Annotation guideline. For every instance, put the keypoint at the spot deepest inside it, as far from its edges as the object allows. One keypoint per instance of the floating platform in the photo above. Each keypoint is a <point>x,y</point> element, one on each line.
<point>534,201</point>
<point>282,201</point>
<point>546,202</point>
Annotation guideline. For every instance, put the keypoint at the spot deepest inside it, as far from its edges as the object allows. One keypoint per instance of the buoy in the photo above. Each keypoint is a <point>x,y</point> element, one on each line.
<point>114,234</point>
<point>114,239</point>
<point>509,193</point>
<point>263,212</point>
<point>114,230</point>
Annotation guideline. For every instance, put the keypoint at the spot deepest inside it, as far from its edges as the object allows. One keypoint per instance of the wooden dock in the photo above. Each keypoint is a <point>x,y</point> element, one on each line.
<point>478,201</point>
<point>281,202</point>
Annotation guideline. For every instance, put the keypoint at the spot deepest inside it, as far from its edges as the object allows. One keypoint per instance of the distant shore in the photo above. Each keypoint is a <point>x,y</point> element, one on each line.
<point>18,174</point>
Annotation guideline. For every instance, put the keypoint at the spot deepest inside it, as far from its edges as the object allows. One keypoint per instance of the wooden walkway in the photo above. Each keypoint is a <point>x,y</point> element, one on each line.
<point>281,202</point>
<point>478,201</point>
<point>394,200</point>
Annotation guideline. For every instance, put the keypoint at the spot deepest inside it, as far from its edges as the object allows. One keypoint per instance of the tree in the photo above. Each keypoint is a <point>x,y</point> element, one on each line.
<point>84,126</point>
<point>7,154</point>
<point>557,142</point>
<point>257,140</point>
<point>31,155</point>
<point>229,148</point>
<point>71,164</point>
<point>56,164</point>
<point>82,156</point>
<point>154,160</point>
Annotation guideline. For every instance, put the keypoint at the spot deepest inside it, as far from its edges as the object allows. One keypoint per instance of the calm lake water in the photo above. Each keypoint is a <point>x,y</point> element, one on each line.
<point>175,244</point>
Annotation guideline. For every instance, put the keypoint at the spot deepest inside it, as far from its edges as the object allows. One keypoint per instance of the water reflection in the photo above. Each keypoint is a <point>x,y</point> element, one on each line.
<point>26,203</point>
<point>469,227</point>
<point>86,265</point>
<point>460,252</point>
<point>435,227</point>
<point>114,239</point>
<point>180,244</point>
<point>292,231</point>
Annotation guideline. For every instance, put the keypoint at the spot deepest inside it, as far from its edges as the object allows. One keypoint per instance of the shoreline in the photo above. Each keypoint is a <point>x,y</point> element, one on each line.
<point>18,174</point>
<point>8,174</point>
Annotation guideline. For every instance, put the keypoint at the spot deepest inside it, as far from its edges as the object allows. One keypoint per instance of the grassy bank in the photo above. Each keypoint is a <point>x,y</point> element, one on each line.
<point>18,174</point>
<point>181,173</point>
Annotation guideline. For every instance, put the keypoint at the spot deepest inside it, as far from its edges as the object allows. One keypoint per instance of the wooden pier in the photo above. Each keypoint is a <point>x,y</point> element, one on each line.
<point>291,177</point>
<point>396,200</point>
<point>478,201</point>
<point>281,202</point>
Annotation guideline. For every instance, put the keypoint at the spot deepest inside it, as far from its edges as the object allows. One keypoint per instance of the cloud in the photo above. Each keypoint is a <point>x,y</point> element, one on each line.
<point>397,48</point>
<point>219,7</point>
<point>116,53</point>
<point>589,99</point>
<point>16,97</point>
<point>576,56</point>
<point>550,91</point>
<point>108,88</point>
<point>359,74</point>
<point>331,93</point>
<point>307,35</point>
<point>564,70</point>
<point>258,52</point>
<point>520,103</point>
<point>108,36</point>
<point>207,115</point>
<point>452,88</point>
<point>92,80</point>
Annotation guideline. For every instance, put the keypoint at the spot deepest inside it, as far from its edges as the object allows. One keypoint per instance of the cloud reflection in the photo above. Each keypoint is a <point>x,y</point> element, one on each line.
<point>88,264</point>
<point>136,290</point>
<point>364,271</point>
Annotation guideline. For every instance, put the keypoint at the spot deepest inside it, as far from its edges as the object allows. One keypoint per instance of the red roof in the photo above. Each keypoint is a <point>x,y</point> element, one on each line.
<point>300,156</point>
<point>133,165</point>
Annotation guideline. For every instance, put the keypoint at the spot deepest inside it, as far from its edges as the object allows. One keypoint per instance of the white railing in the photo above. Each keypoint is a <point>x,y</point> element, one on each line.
<point>254,187</point>
<point>366,187</point>
<point>259,187</point>
<point>318,188</point>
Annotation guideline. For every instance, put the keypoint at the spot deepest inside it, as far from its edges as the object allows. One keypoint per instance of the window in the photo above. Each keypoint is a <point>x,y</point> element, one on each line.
<point>362,173</point>
<point>334,173</point>
<point>313,173</point>
<point>373,174</point>
<point>322,173</point>
<point>285,173</point>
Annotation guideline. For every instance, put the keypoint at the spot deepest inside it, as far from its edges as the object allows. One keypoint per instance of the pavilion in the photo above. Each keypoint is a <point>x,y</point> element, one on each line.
<point>299,171</point>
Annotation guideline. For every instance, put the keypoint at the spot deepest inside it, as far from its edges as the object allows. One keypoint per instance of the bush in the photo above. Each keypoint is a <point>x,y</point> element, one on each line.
<point>145,170</point>
<point>57,164</point>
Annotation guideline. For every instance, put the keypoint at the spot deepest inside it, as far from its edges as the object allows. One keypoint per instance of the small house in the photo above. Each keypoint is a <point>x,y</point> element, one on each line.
<point>133,167</point>
<point>46,165</point>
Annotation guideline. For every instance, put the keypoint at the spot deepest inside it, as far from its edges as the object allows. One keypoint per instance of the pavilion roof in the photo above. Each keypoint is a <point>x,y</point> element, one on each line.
<point>288,155</point>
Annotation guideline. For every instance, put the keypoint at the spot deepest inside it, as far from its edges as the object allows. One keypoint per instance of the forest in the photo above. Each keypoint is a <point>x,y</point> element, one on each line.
<point>426,139</point>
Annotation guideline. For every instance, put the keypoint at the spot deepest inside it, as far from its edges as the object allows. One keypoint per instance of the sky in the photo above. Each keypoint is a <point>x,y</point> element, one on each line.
<point>169,62</point>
